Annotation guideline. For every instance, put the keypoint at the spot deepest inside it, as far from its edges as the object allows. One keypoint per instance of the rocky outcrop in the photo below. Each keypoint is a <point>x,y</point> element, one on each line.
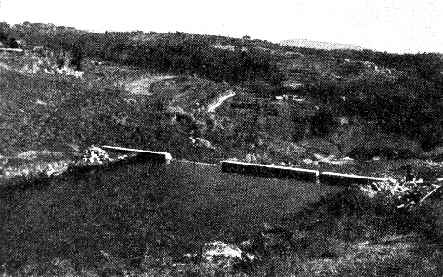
<point>221,255</point>
<point>405,195</point>
<point>95,156</point>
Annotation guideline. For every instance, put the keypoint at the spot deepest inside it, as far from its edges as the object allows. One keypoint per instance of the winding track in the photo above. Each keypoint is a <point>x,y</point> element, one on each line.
<point>220,100</point>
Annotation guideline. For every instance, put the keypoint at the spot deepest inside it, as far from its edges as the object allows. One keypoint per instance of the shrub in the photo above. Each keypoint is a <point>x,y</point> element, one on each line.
<point>384,145</point>
<point>355,214</point>
<point>322,123</point>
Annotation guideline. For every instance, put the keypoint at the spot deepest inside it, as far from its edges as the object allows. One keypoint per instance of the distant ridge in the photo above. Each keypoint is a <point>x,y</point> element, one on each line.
<point>318,44</point>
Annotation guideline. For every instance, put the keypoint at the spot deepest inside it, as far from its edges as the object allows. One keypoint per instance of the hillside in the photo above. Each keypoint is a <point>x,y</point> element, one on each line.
<point>290,105</point>
<point>205,99</point>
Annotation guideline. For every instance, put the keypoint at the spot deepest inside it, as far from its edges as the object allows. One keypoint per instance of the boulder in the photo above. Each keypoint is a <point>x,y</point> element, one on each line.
<point>218,255</point>
<point>202,143</point>
<point>95,156</point>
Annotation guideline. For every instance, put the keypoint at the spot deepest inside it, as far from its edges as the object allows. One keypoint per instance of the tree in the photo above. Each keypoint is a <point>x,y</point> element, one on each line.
<point>4,28</point>
<point>12,43</point>
<point>322,122</point>
<point>3,37</point>
<point>77,55</point>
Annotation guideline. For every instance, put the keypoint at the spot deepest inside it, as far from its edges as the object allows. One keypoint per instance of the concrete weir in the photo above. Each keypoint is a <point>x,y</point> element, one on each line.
<point>338,179</point>
<point>270,171</point>
<point>137,155</point>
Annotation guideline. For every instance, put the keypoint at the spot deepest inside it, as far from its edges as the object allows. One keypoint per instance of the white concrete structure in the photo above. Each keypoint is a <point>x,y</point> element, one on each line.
<point>142,154</point>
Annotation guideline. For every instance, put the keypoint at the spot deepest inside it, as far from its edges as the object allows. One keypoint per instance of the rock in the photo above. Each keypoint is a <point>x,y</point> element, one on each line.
<point>40,102</point>
<point>220,255</point>
<point>215,250</point>
<point>251,158</point>
<point>376,158</point>
<point>54,169</point>
<point>73,147</point>
<point>342,120</point>
<point>28,155</point>
<point>95,156</point>
<point>308,161</point>
<point>406,195</point>
<point>202,143</point>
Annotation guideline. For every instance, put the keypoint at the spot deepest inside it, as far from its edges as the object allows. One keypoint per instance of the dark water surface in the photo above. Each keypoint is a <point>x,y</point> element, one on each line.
<point>128,209</point>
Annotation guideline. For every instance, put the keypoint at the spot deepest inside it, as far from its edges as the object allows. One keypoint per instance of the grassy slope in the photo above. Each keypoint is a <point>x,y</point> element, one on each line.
<point>71,109</point>
<point>173,51</point>
<point>94,111</point>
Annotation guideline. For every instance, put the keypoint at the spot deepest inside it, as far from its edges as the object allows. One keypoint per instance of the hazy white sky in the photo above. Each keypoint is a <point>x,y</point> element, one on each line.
<point>386,25</point>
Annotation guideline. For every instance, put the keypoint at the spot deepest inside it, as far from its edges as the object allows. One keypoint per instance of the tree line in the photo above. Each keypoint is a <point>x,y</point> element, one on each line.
<point>409,105</point>
<point>174,53</point>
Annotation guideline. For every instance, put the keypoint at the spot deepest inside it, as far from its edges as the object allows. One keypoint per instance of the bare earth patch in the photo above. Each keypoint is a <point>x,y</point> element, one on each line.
<point>143,85</point>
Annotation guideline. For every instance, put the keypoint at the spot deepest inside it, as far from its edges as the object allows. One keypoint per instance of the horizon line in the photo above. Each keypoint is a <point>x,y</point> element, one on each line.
<point>350,46</point>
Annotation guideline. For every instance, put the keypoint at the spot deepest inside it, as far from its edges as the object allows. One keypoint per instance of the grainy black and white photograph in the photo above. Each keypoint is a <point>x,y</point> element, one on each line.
<point>221,138</point>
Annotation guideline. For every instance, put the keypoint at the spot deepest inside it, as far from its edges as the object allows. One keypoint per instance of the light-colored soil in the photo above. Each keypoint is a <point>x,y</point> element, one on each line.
<point>219,101</point>
<point>143,85</point>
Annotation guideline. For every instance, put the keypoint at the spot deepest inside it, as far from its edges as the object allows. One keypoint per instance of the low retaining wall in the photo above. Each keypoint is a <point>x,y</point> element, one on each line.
<point>270,171</point>
<point>137,155</point>
<point>338,179</point>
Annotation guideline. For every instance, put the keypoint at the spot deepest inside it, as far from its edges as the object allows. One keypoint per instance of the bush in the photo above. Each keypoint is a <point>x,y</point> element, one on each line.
<point>322,123</point>
<point>384,145</point>
<point>353,215</point>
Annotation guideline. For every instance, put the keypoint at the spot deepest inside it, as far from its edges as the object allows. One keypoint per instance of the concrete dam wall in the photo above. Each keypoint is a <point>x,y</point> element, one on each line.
<point>259,170</point>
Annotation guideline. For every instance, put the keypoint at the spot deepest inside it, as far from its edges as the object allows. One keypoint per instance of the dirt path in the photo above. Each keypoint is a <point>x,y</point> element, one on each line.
<point>220,100</point>
<point>143,85</point>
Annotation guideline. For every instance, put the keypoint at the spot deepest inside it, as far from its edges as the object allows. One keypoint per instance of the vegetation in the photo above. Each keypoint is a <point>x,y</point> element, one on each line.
<point>404,106</point>
<point>143,219</point>
<point>175,53</point>
<point>6,39</point>
<point>400,94</point>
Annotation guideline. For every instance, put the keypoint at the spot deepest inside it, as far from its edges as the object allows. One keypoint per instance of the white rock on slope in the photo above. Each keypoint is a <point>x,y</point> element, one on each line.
<point>95,156</point>
<point>221,255</point>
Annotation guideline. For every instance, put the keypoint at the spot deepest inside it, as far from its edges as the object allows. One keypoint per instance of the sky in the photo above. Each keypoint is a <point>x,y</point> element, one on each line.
<point>401,26</point>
